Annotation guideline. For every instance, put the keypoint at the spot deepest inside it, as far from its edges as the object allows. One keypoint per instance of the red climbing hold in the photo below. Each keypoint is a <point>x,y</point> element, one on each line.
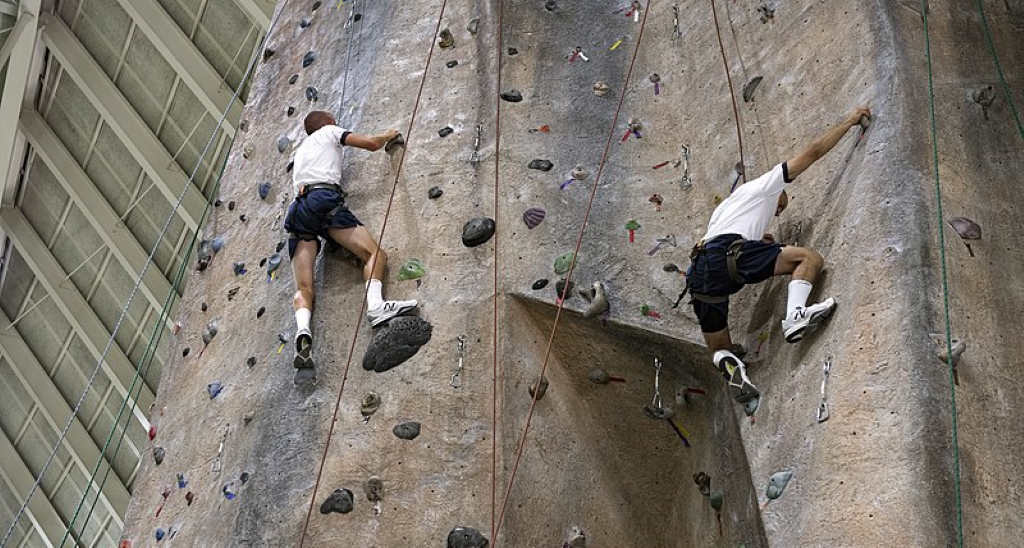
<point>152,432</point>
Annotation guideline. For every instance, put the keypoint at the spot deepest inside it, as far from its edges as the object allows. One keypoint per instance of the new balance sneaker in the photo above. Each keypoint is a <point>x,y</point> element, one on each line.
<point>303,350</point>
<point>803,320</point>
<point>735,374</point>
<point>388,310</point>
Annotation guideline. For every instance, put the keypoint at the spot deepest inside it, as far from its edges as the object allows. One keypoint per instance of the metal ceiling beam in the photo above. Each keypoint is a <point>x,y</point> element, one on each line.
<point>183,55</point>
<point>144,146</point>
<point>76,309</point>
<point>19,478</point>
<point>55,410</point>
<point>259,11</point>
<point>8,8</point>
<point>23,26</point>
<point>77,183</point>
<point>22,59</point>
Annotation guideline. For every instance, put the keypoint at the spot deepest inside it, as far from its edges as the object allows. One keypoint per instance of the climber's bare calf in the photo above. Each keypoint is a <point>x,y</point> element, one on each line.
<point>319,212</point>
<point>737,250</point>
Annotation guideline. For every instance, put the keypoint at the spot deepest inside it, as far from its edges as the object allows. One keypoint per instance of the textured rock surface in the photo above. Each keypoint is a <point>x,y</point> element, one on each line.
<point>878,472</point>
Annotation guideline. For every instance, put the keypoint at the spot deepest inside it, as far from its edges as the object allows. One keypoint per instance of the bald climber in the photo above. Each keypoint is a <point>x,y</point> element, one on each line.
<point>737,250</point>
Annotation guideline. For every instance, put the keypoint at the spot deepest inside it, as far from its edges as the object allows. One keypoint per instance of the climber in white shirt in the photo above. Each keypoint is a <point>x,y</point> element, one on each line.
<point>737,250</point>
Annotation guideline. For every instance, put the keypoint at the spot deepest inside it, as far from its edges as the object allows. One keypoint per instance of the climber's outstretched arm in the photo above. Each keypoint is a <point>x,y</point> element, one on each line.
<point>369,142</point>
<point>823,144</point>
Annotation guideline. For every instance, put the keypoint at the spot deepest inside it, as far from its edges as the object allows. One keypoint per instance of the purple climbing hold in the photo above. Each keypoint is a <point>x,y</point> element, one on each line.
<point>533,217</point>
<point>214,388</point>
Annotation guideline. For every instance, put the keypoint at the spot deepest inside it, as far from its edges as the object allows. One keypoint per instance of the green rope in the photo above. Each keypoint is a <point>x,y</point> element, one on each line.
<point>999,69</point>
<point>945,283</point>
<point>144,363</point>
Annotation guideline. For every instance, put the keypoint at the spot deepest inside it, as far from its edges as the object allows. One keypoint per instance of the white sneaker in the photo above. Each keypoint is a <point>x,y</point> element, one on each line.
<point>803,320</point>
<point>735,374</point>
<point>388,310</point>
<point>303,350</point>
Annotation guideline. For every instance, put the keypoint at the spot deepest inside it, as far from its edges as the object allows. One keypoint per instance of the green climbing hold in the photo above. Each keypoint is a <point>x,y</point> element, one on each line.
<point>632,225</point>
<point>777,484</point>
<point>716,500</point>
<point>563,263</point>
<point>411,270</point>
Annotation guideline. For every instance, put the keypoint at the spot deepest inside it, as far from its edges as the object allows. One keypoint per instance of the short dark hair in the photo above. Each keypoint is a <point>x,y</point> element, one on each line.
<point>316,120</point>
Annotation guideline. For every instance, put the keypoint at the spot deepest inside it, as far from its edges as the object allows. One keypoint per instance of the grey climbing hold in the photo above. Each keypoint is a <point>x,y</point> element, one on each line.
<point>396,342</point>
<point>452,64</point>
<point>247,151</point>
<point>599,376</point>
<point>716,500</point>
<point>273,263</point>
<point>217,244</point>
<point>370,404</point>
<point>244,477</point>
<point>292,79</point>
<point>447,39</point>
<point>966,228</point>
<point>210,331</point>
<point>670,267</point>
<point>290,112</point>
<point>576,538</point>
<point>777,484</point>
<point>268,53</point>
<point>232,292</point>
<point>214,388</point>
<point>251,361</point>
<point>563,262</point>
<point>158,455</point>
<point>533,217</point>
<point>474,25</point>
<point>282,143</point>
<point>703,481</point>
<point>407,430</point>
<point>184,352</point>
<point>542,165</point>
<point>203,307</point>
<point>217,203</point>
<point>434,193</point>
<point>340,501</point>
<point>280,245</point>
<point>513,51</point>
<point>751,405</point>
<point>601,89</point>
<point>466,537</point>
<point>551,5</point>
<point>579,173</point>
<point>767,12</point>
<point>316,6</point>
<point>477,231</point>
<point>231,205</point>
<point>243,125</point>
<point>264,190</point>
<point>239,268</point>
<point>538,388</point>
<point>312,94</point>
<point>598,300</point>
<point>289,167</point>
<point>305,22</point>
<point>204,255</point>
<point>750,88</point>
<point>357,17</point>
<point>374,489</point>
<point>512,96</point>
<point>308,59</point>
<point>561,289</point>
<point>540,284</point>
<point>260,312</point>
<point>445,131</point>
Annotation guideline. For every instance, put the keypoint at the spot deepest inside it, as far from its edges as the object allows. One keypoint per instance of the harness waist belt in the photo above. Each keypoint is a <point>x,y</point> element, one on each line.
<point>306,189</point>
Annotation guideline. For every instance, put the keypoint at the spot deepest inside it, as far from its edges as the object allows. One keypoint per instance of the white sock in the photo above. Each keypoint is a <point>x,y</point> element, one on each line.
<point>302,316</point>
<point>799,291</point>
<point>374,298</point>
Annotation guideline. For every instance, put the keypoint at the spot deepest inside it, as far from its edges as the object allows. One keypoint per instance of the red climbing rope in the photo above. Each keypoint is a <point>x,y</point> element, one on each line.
<point>373,264</point>
<point>568,276</point>
<point>494,350</point>
<point>732,93</point>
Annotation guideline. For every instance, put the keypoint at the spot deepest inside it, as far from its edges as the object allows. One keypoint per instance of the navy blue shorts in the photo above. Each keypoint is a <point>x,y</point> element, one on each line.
<point>311,215</point>
<point>709,275</point>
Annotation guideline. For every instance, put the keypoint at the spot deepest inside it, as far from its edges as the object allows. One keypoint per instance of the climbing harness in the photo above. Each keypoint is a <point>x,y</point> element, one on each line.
<point>732,257</point>
<point>456,382</point>
<point>823,406</point>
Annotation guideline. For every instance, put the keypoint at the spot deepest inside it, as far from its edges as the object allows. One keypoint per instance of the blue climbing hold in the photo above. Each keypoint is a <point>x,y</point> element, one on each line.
<point>264,190</point>
<point>159,534</point>
<point>214,388</point>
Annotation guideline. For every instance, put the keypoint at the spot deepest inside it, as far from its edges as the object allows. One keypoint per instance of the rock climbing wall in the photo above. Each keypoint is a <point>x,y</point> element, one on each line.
<point>877,472</point>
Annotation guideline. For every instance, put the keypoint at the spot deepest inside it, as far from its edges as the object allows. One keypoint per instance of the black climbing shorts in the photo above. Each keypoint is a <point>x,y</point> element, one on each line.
<point>709,275</point>
<point>311,215</point>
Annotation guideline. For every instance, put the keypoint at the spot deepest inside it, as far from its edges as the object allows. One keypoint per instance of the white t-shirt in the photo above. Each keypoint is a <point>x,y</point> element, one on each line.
<point>318,159</point>
<point>749,209</point>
